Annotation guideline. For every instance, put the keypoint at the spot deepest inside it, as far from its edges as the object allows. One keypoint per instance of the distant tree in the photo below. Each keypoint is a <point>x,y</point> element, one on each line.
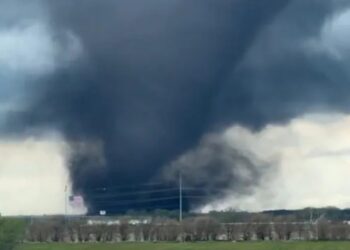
<point>284,227</point>
<point>323,229</point>
<point>172,230</point>
<point>340,231</point>
<point>124,230</point>
<point>100,232</point>
<point>188,229</point>
<point>11,233</point>
<point>206,228</point>
<point>262,226</point>
<point>146,230</point>
<point>230,216</point>
<point>247,231</point>
<point>263,230</point>
<point>301,231</point>
<point>233,231</point>
<point>57,228</point>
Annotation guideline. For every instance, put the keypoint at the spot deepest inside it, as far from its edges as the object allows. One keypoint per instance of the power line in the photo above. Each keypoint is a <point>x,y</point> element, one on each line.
<point>140,185</point>
<point>152,199</point>
<point>174,207</point>
<point>150,184</point>
<point>184,188</point>
<point>140,196</point>
<point>141,200</point>
<point>159,203</point>
<point>134,193</point>
<point>154,190</point>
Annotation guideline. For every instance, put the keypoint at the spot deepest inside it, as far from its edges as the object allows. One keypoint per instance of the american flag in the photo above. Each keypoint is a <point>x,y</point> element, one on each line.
<point>76,200</point>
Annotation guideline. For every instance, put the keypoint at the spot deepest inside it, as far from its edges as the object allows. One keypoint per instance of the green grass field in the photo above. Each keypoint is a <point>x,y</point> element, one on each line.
<point>195,246</point>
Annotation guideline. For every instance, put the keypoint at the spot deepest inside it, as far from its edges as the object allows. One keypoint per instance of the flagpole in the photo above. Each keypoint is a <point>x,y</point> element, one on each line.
<point>65,201</point>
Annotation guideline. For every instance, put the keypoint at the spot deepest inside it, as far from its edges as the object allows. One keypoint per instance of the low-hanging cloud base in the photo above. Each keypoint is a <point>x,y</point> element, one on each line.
<point>310,157</point>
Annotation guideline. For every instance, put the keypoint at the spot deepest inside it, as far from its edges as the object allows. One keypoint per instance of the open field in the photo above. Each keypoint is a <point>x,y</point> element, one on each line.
<point>195,246</point>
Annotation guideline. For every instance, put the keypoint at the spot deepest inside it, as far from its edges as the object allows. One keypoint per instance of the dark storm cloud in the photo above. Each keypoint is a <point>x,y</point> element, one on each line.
<point>14,12</point>
<point>282,75</point>
<point>156,76</point>
<point>215,167</point>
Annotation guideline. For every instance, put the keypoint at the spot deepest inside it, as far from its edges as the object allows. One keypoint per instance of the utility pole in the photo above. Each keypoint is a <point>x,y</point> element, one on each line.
<point>180,206</point>
<point>180,197</point>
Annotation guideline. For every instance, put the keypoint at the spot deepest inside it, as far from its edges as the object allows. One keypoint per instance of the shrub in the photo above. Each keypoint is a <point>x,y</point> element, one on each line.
<point>11,233</point>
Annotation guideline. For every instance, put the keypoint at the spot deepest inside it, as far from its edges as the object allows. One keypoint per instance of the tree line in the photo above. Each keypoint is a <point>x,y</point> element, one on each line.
<point>163,225</point>
<point>199,228</point>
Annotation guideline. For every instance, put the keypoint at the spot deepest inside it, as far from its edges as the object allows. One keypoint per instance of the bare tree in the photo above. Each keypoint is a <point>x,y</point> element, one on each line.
<point>124,230</point>
<point>262,225</point>
<point>323,229</point>
<point>284,227</point>
<point>339,231</point>
<point>146,230</point>
<point>233,231</point>
<point>188,230</point>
